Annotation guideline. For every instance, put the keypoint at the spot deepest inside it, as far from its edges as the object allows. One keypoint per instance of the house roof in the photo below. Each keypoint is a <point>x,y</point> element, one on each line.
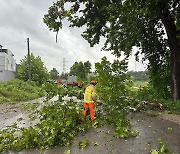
<point>4,50</point>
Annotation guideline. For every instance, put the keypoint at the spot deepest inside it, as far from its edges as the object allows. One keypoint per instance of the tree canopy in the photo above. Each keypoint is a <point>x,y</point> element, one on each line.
<point>152,25</point>
<point>81,69</point>
<point>54,73</point>
<point>39,72</point>
<point>138,76</point>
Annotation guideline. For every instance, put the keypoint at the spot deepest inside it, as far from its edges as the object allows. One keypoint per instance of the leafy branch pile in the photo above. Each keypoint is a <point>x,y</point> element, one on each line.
<point>61,90</point>
<point>147,93</point>
<point>59,123</point>
<point>60,120</point>
<point>113,83</point>
<point>162,149</point>
<point>116,118</point>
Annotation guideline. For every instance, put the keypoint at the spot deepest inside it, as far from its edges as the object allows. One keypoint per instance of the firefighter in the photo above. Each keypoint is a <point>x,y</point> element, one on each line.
<point>89,100</point>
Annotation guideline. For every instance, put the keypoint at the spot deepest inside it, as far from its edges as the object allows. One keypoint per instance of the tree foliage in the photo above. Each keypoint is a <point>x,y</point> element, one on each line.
<point>138,75</point>
<point>59,122</point>
<point>125,24</point>
<point>54,74</point>
<point>113,82</point>
<point>16,90</point>
<point>64,75</point>
<point>81,69</point>
<point>39,72</point>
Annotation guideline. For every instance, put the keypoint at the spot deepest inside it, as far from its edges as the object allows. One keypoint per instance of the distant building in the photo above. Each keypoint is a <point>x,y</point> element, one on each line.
<point>7,65</point>
<point>71,80</point>
<point>61,80</point>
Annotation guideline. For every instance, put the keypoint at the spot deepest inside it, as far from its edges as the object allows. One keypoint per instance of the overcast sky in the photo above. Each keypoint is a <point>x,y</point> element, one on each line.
<point>22,19</point>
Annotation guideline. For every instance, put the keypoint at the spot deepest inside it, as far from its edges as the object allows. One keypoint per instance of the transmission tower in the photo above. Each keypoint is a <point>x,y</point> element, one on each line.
<point>64,65</point>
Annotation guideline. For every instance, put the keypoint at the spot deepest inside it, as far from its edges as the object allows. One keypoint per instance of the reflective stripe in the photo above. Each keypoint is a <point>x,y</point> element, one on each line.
<point>93,93</point>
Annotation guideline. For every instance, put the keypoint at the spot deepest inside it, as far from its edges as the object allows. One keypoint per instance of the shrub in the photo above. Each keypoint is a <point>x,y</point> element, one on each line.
<point>17,90</point>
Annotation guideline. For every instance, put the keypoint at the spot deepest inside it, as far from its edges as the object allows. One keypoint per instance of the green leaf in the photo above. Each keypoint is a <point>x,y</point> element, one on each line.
<point>67,151</point>
<point>154,152</point>
<point>96,144</point>
<point>170,129</point>
<point>83,144</point>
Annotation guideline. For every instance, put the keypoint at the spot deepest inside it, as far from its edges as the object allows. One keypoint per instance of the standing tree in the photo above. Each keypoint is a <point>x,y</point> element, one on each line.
<point>54,74</point>
<point>81,69</point>
<point>38,70</point>
<point>151,25</point>
<point>64,75</point>
<point>138,76</point>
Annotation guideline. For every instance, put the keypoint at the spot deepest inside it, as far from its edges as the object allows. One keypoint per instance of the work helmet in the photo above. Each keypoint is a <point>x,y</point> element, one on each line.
<point>93,82</point>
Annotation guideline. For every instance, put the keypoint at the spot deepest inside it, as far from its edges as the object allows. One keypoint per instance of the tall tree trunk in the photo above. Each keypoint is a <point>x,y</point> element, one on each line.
<point>174,44</point>
<point>175,66</point>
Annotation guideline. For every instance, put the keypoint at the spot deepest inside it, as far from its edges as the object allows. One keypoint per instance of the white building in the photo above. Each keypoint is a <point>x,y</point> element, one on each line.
<point>7,65</point>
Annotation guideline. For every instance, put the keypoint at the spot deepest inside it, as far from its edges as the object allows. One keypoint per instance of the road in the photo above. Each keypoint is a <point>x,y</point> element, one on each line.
<point>101,139</point>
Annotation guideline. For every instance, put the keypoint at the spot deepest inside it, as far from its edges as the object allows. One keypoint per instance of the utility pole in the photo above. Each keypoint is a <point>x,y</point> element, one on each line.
<point>29,62</point>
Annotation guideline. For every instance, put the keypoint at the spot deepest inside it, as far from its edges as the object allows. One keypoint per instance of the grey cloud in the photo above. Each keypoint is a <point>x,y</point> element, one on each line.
<point>20,19</point>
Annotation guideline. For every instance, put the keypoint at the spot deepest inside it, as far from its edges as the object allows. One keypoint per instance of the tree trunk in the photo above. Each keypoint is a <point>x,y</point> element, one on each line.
<point>174,44</point>
<point>175,62</point>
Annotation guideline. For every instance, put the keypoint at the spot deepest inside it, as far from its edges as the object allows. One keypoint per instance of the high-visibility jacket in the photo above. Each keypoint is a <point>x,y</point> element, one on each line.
<point>89,94</point>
